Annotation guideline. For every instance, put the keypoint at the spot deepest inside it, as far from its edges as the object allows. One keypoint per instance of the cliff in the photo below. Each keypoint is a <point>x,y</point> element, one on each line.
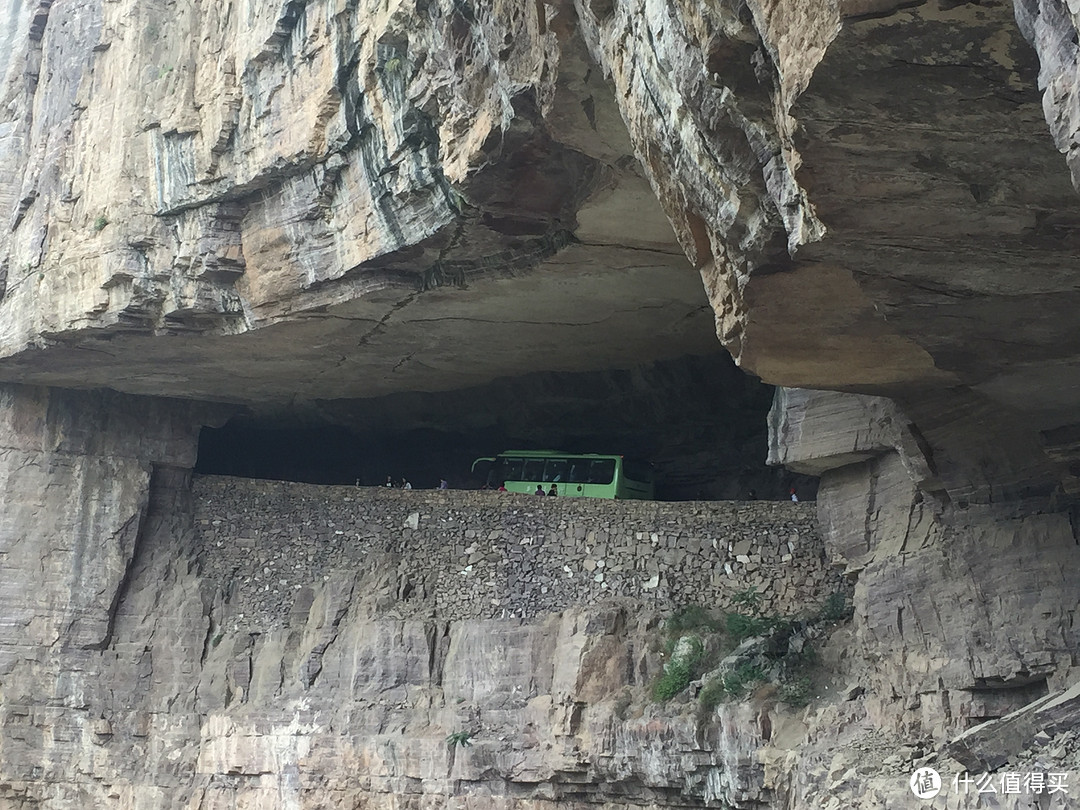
<point>289,207</point>
<point>263,644</point>
<point>299,203</point>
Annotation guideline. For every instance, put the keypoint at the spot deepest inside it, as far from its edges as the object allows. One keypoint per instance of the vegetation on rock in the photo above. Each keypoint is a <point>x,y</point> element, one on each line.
<point>744,647</point>
<point>462,738</point>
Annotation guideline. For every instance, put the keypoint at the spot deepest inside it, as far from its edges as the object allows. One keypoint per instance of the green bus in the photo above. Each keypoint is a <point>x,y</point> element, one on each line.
<point>576,475</point>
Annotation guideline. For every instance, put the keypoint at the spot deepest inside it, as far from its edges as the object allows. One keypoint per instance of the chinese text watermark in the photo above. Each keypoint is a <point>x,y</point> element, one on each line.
<point>926,783</point>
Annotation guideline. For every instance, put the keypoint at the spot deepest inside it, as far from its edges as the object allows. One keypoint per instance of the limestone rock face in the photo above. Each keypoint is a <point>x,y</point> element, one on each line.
<point>857,183</point>
<point>301,202</point>
<point>290,202</point>
<point>75,473</point>
<point>815,431</point>
<point>135,651</point>
<point>963,615</point>
<point>282,202</point>
<point>219,202</point>
<point>138,674</point>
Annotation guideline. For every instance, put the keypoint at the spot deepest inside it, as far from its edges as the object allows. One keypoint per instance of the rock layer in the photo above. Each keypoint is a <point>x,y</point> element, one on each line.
<point>327,202</point>
<point>130,660</point>
<point>291,202</point>
<point>159,680</point>
<point>300,202</point>
<point>963,614</point>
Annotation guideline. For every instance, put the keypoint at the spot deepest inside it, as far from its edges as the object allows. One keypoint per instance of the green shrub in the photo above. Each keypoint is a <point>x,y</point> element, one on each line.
<point>100,222</point>
<point>691,617</point>
<point>462,738</point>
<point>739,680</point>
<point>712,695</point>
<point>749,599</point>
<point>675,679</point>
<point>679,670</point>
<point>732,684</point>
<point>784,651</point>
<point>749,621</point>
<point>741,626</point>
<point>836,608</point>
<point>796,692</point>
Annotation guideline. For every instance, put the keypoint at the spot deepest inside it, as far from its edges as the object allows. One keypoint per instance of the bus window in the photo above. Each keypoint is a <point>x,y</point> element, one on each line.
<point>579,471</point>
<point>602,471</point>
<point>509,470</point>
<point>555,470</point>
<point>483,469</point>
<point>533,471</point>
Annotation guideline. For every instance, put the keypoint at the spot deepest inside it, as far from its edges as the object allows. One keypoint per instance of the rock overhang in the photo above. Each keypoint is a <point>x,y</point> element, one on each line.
<point>856,183</point>
<point>343,211</point>
<point>576,313</point>
<point>896,218</point>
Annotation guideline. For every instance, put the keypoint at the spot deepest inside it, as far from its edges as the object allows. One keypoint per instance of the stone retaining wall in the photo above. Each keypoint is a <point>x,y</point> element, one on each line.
<point>465,554</point>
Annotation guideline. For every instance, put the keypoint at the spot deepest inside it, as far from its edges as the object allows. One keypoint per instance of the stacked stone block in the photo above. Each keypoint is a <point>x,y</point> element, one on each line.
<point>470,555</point>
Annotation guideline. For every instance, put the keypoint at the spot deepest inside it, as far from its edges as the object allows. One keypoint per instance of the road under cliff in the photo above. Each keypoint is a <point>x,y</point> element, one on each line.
<point>454,225</point>
<point>699,420</point>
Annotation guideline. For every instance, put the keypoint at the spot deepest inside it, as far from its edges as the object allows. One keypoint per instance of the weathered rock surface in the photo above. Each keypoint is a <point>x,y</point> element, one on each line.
<point>342,202</point>
<point>816,431</point>
<point>148,675</point>
<point>75,471</point>
<point>306,202</point>
<point>470,555</point>
<point>293,201</point>
<point>157,665</point>
<point>857,183</point>
<point>963,615</point>
<point>992,744</point>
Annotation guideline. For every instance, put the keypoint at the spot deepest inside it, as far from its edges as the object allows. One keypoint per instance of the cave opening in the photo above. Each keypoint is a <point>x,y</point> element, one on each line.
<point>699,420</point>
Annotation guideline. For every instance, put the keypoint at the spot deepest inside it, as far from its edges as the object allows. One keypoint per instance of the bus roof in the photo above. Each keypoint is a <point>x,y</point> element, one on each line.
<point>555,454</point>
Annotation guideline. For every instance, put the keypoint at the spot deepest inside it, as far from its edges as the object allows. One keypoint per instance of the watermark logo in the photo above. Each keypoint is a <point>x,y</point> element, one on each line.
<point>1012,783</point>
<point>925,783</point>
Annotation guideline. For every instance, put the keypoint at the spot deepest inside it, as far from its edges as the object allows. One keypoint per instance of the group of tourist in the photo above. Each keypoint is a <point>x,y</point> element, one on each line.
<point>539,489</point>
<point>406,485</point>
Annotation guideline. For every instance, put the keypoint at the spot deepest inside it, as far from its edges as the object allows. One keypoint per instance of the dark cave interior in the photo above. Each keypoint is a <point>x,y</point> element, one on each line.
<point>699,419</point>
